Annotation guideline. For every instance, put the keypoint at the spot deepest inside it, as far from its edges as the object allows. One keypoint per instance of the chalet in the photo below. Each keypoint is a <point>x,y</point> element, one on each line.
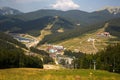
<point>103,34</point>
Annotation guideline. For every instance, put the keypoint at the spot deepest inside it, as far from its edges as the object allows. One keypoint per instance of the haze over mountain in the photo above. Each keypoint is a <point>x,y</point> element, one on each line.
<point>112,10</point>
<point>9,11</point>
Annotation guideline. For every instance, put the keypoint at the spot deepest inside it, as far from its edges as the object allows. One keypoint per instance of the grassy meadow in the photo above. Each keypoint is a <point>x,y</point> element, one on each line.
<point>66,74</point>
<point>80,43</point>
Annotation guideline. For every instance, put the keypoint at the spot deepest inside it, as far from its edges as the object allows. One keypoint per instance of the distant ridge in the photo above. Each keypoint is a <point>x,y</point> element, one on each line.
<point>9,11</point>
<point>112,9</point>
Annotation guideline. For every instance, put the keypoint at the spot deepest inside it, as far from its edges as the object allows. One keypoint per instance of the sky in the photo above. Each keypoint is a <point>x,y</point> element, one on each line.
<point>33,5</point>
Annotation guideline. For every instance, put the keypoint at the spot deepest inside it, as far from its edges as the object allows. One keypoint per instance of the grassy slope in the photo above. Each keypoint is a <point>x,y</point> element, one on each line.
<point>38,74</point>
<point>81,43</point>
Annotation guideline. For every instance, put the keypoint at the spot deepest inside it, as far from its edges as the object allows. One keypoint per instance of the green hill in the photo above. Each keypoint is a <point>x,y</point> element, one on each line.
<point>81,43</point>
<point>76,39</point>
<point>33,27</point>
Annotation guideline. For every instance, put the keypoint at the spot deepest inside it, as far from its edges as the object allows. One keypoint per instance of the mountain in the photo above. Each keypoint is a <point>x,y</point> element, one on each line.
<point>9,11</point>
<point>112,10</point>
<point>9,24</point>
<point>75,22</point>
<point>33,27</point>
<point>107,13</point>
<point>75,16</point>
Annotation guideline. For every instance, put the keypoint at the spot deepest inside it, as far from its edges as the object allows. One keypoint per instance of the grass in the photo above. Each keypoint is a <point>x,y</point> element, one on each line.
<point>80,43</point>
<point>67,74</point>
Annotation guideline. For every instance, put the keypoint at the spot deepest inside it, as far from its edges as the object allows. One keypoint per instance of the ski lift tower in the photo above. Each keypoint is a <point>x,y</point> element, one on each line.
<point>94,64</point>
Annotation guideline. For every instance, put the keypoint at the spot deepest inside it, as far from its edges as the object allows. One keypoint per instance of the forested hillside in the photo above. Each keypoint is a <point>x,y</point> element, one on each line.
<point>78,31</point>
<point>12,56</point>
<point>114,27</point>
<point>107,59</point>
<point>9,39</point>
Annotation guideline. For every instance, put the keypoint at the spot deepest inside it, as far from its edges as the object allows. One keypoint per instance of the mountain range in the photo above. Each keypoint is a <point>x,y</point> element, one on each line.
<point>72,22</point>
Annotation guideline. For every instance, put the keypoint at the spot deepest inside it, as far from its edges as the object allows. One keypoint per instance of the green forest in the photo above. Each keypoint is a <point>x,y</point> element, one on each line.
<point>107,59</point>
<point>14,57</point>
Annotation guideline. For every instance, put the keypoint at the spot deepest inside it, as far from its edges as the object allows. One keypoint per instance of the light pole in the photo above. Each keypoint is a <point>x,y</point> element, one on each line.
<point>74,62</point>
<point>90,64</point>
<point>94,64</point>
<point>114,65</point>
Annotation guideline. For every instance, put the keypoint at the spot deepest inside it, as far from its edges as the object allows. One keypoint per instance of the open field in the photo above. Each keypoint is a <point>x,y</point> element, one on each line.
<point>67,74</point>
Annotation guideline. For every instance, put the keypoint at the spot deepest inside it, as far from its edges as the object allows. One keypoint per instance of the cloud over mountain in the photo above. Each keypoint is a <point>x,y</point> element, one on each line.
<point>65,5</point>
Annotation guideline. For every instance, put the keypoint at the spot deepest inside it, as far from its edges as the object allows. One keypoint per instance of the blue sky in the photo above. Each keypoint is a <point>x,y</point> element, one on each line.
<point>32,5</point>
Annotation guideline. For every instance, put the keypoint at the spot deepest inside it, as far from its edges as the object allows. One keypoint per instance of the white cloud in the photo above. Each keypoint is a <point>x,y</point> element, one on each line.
<point>65,5</point>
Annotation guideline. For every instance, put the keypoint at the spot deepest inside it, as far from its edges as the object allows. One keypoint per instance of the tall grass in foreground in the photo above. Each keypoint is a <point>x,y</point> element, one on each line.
<point>38,74</point>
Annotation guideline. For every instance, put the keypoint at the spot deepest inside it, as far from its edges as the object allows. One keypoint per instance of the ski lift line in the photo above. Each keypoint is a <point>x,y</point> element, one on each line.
<point>43,34</point>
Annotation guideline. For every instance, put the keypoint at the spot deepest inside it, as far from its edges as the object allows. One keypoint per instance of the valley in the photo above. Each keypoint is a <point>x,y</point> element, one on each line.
<point>55,44</point>
<point>89,43</point>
